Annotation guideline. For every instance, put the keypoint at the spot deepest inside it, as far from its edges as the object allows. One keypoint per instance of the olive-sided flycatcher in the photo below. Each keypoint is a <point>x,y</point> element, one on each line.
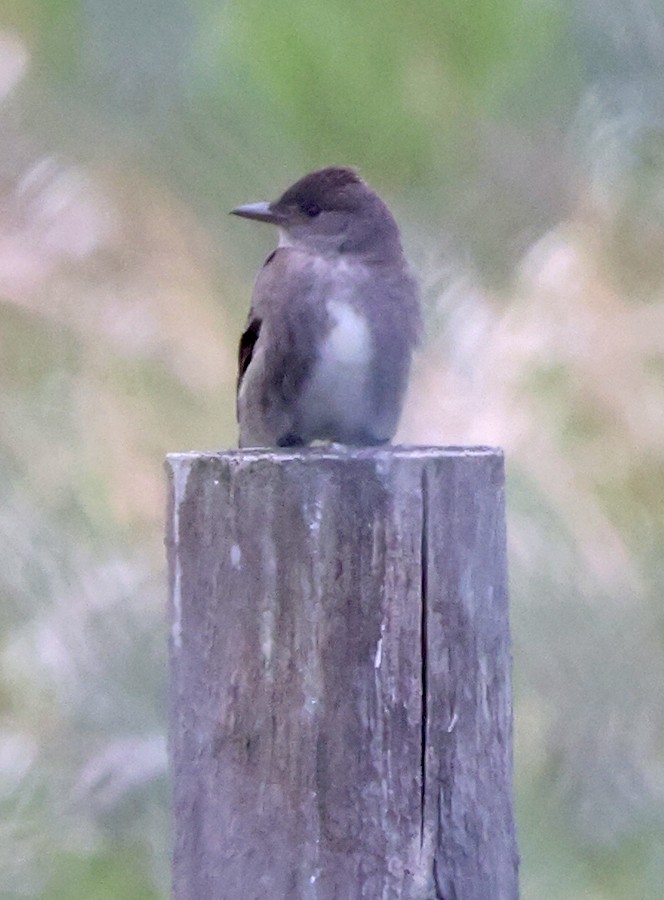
<point>334,319</point>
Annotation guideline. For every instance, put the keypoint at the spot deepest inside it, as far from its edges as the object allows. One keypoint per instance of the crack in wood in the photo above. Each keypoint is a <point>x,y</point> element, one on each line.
<point>424,651</point>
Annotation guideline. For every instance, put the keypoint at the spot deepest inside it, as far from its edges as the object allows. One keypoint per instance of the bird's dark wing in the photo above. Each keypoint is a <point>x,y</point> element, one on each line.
<point>290,317</point>
<point>246,348</point>
<point>249,337</point>
<point>279,346</point>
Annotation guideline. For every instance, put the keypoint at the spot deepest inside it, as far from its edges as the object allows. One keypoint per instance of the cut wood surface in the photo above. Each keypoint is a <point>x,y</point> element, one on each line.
<point>341,722</point>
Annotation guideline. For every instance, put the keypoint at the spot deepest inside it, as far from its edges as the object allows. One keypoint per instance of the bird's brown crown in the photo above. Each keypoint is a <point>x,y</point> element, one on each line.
<point>325,188</point>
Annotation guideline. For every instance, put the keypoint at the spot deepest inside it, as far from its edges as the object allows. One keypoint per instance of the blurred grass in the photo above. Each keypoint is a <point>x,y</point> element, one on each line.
<point>522,146</point>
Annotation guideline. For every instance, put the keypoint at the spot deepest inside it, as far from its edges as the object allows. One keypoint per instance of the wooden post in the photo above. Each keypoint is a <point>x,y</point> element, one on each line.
<point>341,722</point>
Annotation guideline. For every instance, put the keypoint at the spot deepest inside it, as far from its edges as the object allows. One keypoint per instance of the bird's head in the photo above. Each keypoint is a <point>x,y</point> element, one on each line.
<point>330,211</point>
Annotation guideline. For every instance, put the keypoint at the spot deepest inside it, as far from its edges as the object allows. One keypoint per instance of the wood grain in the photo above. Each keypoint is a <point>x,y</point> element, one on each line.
<point>341,722</point>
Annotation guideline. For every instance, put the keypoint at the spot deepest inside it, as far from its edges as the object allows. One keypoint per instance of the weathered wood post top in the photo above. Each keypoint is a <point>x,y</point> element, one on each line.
<point>341,723</point>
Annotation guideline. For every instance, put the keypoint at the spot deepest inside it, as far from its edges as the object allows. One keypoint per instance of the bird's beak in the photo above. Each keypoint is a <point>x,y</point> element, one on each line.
<point>261,212</point>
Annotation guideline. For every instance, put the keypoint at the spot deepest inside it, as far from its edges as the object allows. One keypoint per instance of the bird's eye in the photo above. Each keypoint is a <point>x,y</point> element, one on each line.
<point>312,210</point>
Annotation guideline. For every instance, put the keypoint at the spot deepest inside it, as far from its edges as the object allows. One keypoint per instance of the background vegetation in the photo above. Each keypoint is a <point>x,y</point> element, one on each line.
<point>521,145</point>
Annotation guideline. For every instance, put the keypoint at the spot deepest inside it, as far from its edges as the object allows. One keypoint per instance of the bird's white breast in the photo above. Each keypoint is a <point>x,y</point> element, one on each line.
<point>337,391</point>
<point>349,341</point>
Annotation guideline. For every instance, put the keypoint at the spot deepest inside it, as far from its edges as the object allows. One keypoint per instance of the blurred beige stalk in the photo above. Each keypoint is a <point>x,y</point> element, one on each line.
<point>114,263</point>
<point>13,62</point>
<point>566,337</point>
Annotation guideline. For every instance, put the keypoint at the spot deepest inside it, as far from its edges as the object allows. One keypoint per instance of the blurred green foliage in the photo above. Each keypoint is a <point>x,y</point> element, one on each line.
<point>522,146</point>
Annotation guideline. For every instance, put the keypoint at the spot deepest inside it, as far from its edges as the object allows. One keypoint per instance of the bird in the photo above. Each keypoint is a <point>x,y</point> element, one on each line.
<point>334,319</point>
